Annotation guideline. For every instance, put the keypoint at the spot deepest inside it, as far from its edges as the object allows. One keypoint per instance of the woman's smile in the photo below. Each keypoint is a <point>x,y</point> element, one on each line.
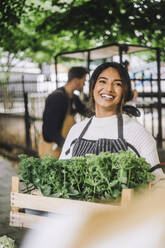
<point>108,97</point>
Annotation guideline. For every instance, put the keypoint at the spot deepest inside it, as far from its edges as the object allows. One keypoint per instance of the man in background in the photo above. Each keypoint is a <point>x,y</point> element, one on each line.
<point>60,108</point>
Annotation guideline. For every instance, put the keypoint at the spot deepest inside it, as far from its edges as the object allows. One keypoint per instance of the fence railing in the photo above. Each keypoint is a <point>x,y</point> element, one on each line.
<point>28,99</point>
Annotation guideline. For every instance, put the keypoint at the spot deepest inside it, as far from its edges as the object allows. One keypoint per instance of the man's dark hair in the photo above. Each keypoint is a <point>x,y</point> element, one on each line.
<point>77,72</point>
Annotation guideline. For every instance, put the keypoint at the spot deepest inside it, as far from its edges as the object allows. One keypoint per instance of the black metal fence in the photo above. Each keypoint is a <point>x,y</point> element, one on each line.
<point>151,102</point>
<point>28,99</point>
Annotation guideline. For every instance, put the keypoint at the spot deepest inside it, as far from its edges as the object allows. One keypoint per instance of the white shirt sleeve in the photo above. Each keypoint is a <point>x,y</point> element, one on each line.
<point>136,135</point>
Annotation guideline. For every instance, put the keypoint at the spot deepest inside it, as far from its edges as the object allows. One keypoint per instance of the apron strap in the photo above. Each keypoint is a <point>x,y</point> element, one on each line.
<point>133,148</point>
<point>68,151</point>
<point>158,166</point>
<point>120,130</point>
<point>120,133</point>
<point>120,126</point>
<point>81,135</point>
<point>85,128</point>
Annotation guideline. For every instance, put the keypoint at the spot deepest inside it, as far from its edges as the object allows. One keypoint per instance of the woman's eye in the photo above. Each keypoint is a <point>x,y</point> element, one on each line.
<point>117,84</point>
<point>101,81</point>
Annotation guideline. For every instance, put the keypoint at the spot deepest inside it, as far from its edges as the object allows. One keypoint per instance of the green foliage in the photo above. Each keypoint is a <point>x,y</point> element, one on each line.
<point>10,13</point>
<point>6,242</point>
<point>90,178</point>
<point>44,28</point>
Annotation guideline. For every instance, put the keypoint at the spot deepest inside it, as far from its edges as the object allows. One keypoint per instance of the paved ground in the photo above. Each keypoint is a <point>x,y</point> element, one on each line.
<point>7,170</point>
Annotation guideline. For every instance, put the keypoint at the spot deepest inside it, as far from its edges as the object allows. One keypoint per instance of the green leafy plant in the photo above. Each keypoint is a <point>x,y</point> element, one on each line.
<point>6,242</point>
<point>89,178</point>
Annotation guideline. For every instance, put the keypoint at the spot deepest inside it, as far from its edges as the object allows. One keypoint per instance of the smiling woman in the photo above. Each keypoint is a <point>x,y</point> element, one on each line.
<point>111,128</point>
<point>108,92</point>
<point>117,84</point>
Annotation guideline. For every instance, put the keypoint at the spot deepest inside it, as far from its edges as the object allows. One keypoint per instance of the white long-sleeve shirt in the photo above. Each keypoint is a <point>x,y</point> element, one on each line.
<point>107,127</point>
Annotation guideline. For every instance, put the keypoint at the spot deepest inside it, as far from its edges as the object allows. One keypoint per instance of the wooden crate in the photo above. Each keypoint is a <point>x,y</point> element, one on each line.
<point>49,204</point>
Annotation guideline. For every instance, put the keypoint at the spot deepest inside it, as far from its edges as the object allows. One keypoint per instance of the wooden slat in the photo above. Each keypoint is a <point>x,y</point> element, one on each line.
<point>15,188</point>
<point>127,195</point>
<point>15,184</point>
<point>149,186</point>
<point>25,220</point>
<point>50,204</point>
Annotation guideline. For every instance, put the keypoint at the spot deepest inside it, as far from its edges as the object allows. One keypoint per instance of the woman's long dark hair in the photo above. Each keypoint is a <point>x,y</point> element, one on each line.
<point>127,90</point>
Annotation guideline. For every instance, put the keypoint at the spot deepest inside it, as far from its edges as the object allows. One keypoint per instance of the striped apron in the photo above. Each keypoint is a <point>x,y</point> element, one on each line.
<point>83,146</point>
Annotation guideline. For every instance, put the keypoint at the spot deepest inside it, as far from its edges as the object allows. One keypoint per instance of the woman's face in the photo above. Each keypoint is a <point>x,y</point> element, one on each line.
<point>107,92</point>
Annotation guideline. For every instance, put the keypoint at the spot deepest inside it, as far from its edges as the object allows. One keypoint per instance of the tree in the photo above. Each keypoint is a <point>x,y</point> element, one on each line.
<point>10,15</point>
<point>43,28</point>
<point>134,21</point>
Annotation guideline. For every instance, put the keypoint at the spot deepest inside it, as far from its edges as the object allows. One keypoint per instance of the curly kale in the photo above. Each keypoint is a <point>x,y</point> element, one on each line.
<point>90,178</point>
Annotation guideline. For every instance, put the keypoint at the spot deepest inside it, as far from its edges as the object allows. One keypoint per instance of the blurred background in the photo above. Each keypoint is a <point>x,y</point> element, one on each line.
<point>41,39</point>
